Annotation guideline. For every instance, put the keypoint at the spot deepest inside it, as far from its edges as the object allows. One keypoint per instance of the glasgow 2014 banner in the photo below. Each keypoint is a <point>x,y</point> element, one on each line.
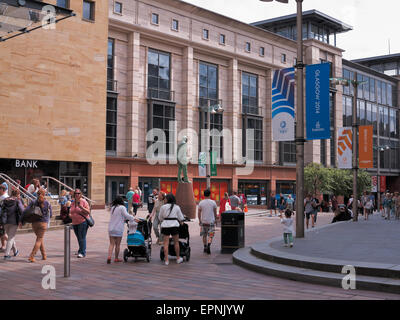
<point>344,148</point>
<point>317,101</point>
<point>283,105</point>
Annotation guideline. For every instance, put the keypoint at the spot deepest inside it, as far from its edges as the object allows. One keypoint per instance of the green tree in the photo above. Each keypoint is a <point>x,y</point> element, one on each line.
<point>341,182</point>
<point>316,178</point>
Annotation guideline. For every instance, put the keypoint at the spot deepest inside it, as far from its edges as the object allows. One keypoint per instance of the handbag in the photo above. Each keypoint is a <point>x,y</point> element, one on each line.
<point>32,214</point>
<point>89,220</point>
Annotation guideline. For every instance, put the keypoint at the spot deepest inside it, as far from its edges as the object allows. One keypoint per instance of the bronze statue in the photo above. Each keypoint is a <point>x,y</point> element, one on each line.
<point>183,160</point>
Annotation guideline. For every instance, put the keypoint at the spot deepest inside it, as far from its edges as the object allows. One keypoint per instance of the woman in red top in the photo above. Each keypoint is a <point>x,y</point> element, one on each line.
<point>136,201</point>
<point>80,209</point>
<point>222,204</point>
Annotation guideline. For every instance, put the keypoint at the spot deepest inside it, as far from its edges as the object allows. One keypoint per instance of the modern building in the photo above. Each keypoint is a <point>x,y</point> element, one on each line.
<point>167,59</point>
<point>52,106</point>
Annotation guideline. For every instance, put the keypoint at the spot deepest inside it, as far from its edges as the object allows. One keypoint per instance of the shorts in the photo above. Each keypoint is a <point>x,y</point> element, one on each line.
<point>172,231</point>
<point>308,214</point>
<point>207,230</point>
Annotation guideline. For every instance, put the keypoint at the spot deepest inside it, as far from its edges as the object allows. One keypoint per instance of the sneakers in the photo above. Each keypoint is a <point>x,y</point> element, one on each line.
<point>286,245</point>
<point>208,249</point>
<point>205,249</point>
<point>180,260</point>
<point>16,253</point>
<point>81,255</point>
<point>166,262</point>
<point>7,257</point>
<point>291,245</point>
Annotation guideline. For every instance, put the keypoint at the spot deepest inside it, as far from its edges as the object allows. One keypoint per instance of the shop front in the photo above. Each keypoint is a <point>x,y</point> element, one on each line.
<point>286,187</point>
<point>255,191</point>
<point>73,174</point>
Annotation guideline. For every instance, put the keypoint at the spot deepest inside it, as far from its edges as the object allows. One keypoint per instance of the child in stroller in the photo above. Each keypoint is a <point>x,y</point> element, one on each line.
<point>138,240</point>
<point>184,247</point>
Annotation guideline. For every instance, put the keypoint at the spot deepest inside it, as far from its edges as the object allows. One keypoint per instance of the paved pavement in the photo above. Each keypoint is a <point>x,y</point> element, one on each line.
<point>375,240</point>
<point>207,277</point>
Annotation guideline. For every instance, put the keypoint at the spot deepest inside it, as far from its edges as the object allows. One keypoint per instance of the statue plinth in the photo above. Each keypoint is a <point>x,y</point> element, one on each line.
<point>185,199</point>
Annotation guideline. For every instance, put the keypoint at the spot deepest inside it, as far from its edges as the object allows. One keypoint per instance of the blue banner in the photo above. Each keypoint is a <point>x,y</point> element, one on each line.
<point>283,105</point>
<point>317,101</point>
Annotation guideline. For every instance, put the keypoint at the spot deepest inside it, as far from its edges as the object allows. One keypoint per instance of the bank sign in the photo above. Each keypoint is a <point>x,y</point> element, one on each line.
<point>26,164</point>
<point>317,101</point>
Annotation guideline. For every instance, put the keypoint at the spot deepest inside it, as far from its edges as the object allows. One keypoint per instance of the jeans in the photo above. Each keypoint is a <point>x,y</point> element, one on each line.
<point>80,232</point>
<point>11,230</point>
<point>288,238</point>
<point>156,227</point>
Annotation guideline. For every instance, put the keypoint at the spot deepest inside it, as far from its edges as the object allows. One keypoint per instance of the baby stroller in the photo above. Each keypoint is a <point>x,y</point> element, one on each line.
<point>139,240</point>
<point>184,248</point>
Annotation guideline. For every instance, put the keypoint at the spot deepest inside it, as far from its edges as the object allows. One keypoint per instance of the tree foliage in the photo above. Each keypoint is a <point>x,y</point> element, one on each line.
<point>335,181</point>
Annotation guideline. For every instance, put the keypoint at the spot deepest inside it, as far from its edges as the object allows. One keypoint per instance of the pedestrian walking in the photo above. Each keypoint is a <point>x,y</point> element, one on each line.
<point>387,205</point>
<point>334,204</point>
<point>272,204</point>
<point>39,227</point>
<point>3,234</point>
<point>224,205</point>
<point>79,212</point>
<point>155,216</point>
<point>243,201</point>
<point>11,211</point>
<point>290,202</point>
<point>207,213</point>
<point>364,200</point>
<point>234,201</point>
<point>281,203</point>
<point>116,224</point>
<point>397,205</point>
<point>309,205</point>
<point>368,207</point>
<point>136,201</point>
<point>171,217</point>
<point>288,229</point>
<point>151,200</point>
<point>129,196</point>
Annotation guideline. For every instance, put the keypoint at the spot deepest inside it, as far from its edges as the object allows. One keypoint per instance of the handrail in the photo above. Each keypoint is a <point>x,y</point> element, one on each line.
<point>22,190</point>
<point>66,186</point>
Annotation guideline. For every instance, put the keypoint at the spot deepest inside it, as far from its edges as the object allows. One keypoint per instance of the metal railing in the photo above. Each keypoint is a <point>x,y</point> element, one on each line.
<point>48,178</point>
<point>13,183</point>
<point>156,93</point>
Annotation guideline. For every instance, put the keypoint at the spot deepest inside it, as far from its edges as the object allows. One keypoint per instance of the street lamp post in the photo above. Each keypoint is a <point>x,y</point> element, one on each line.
<point>355,125</point>
<point>299,122</point>
<point>379,149</point>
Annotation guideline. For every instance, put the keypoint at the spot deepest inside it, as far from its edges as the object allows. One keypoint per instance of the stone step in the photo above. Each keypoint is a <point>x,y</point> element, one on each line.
<point>243,257</point>
<point>266,252</point>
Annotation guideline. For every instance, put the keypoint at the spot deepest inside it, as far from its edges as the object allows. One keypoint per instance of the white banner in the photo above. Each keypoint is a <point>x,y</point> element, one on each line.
<point>344,151</point>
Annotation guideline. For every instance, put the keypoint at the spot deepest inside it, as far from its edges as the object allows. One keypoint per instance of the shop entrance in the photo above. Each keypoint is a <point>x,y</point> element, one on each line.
<point>76,183</point>
<point>116,186</point>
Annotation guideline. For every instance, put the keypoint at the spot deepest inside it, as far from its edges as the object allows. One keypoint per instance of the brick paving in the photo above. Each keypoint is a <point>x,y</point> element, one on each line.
<point>207,277</point>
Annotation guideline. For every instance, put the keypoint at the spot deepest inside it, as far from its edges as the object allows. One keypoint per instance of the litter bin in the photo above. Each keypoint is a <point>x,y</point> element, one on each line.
<point>232,231</point>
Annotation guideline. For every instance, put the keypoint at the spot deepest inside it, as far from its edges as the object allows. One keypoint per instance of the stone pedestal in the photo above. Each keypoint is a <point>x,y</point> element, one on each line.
<point>185,199</point>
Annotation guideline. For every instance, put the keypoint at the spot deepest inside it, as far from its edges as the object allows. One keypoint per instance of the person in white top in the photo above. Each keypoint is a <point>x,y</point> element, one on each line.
<point>207,212</point>
<point>171,217</point>
<point>288,228</point>
<point>116,227</point>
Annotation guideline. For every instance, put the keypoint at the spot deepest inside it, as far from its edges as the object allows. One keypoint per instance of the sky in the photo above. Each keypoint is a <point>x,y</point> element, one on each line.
<point>375,23</point>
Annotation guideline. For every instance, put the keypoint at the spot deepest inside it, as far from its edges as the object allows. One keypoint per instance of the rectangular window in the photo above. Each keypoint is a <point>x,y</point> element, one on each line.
<point>118,7</point>
<point>381,122</point>
<point>249,93</point>
<point>283,58</point>
<point>154,18</point>
<point>88,10</point>
<point>158,80</point>
<point>384,93</point>
<point>366,87</point>
<point>208,92</point>
<point>392,119</point>
<point>287,152</point>
<point>63,3</point>
<point>205,34</point>
<point>111,125</point>
<point>390,95</point>
<point>360,86</point>
<point>346,75</point>
<point>110,65</point>
<point>372,96</point>
<point>159,117</point>
<point>323,152</point>
<point>361,112</point>
<point>375,118</point>
<point>248,47</point>
<point>222,38</point>
<point>175,25</point>
<point>379,91</point>
<point>262,51</point>
<point>252,144</point>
